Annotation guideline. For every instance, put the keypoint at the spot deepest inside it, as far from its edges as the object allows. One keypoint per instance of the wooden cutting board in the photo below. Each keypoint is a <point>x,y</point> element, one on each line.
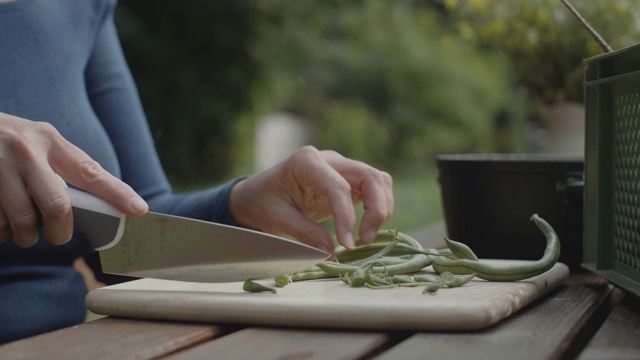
<point>326,303</point>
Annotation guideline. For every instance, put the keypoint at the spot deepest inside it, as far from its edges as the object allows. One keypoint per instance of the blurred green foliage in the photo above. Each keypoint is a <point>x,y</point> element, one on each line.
<point>544,41</point>
<point>388,82</point>
<point>191,64</point>
<point>383,81</point>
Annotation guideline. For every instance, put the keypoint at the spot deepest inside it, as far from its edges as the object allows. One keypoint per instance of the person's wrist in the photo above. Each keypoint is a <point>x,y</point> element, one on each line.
<point>238,205</point>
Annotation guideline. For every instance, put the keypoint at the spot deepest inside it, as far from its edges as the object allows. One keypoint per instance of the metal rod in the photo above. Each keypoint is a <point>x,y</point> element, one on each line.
<point>603,44</point>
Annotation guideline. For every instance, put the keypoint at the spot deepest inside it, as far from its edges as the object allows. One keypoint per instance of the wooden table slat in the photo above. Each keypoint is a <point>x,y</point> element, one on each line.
<point>586,318</point>
<point>619,336</point>
<point>282,343</point>
<point>111,338</point>
<point>541,331</point>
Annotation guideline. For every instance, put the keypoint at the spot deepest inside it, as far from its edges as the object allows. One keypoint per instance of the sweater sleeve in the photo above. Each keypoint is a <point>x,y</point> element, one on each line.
<point>115,100</point>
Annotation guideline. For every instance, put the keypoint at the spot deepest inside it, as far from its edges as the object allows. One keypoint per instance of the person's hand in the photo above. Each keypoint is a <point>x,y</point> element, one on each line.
<point>311,185</point>
<point>33,158</point>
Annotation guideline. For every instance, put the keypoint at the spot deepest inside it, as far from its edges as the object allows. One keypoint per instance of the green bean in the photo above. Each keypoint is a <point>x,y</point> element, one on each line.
<point>415,264</point>
<point>316,272</point>
<point>460,250</point>
<point>432,287</point>
<point>352,255</point>
<point>378,281</point>
<point>340,267</point>
<point>425,278</point>
<point>507,272</point>
<point>393,257</point>
<point>447,277</point>
<point>388,286</point>
<point>363,253</point>
<point>252,286</point>
<point>388,261</point>
<point>358,276</point>
<point>373,279</point>
<point>446,252</point>
<point>402,279</point>
<point>311,273</point>
<point>452,280</point>
<point>384,263</point>
<point>283,280</point>
<point>336,269</point>
<point>414,284</point>
<point>346,278</point>
<point>388,235</point>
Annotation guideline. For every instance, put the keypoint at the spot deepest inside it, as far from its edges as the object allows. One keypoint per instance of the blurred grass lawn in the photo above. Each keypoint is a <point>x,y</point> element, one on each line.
<point>417,201</point>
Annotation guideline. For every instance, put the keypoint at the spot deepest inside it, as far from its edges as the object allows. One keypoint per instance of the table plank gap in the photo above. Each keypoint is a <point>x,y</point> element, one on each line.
<point>395,338</point>
<point>580,334</point>
<point>535,333</point>
<point>285,343</point>
<point>619,336</point>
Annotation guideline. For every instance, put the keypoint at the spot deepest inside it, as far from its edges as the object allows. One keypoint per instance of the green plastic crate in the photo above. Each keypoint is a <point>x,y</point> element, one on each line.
<point>612,167</point>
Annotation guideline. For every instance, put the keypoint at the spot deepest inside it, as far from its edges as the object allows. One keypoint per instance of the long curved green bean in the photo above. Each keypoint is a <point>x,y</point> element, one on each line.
<point>398,250</point>
<point>507,272</point>
<point>460,250</point>
<point>368,252</point>
<point>395,254</point>
<point>415,264</point>
<point>315,272</point>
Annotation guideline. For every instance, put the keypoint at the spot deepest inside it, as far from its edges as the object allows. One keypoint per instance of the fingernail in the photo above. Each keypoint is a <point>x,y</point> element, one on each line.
<point>348,240</point>
<point>137,204</point>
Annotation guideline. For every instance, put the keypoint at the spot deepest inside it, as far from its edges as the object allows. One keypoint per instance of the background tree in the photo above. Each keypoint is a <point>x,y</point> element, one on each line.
<point>384,81</point>
<point>544,42</point>
<point>191,63</point>
<point>387,82</point>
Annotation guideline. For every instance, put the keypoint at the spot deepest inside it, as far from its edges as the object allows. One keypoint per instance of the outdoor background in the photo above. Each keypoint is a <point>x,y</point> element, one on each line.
<point>388,82</point>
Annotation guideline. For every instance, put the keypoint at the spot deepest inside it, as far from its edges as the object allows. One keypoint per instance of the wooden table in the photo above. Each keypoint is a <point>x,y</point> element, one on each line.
<point>586,318</point>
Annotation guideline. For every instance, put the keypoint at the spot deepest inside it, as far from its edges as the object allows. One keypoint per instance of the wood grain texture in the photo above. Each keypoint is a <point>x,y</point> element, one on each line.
<point>326,303</point>
<point>619,335</point>
<point>552,328</point>
<point>111,339</point>
<point>277,343</point>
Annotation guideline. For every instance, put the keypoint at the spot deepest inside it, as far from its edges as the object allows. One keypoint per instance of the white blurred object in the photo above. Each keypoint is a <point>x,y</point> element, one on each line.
<point>277,136</point>
<point>566,129</point>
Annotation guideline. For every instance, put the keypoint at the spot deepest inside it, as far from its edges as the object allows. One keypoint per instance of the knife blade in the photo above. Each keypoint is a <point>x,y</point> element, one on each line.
<point>177,248</point>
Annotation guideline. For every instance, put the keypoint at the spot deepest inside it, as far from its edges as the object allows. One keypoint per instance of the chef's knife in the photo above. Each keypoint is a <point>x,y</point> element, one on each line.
<point>176,248</point>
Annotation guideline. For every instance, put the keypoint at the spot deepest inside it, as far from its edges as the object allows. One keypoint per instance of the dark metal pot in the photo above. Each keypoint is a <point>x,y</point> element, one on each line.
<point>488,200</point>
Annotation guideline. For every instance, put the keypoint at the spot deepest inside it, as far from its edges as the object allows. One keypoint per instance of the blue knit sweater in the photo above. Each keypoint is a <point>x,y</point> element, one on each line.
<point>61,62</point>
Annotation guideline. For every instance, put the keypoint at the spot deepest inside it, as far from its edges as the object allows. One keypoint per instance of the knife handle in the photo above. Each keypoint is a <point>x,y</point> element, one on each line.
<point>99,222</point>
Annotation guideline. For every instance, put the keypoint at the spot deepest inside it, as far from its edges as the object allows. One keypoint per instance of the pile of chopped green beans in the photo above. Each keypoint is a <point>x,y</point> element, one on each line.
<point>394,258</point>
